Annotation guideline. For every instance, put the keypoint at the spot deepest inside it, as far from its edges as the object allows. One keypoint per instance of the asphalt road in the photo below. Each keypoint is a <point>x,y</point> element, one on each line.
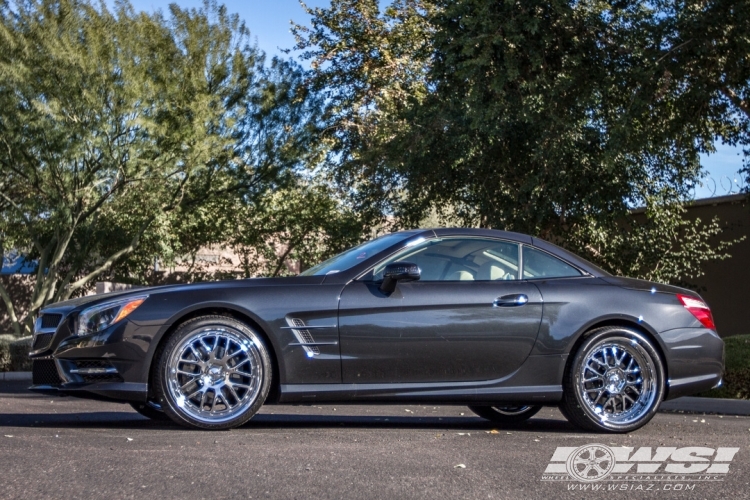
<point>71,448</point>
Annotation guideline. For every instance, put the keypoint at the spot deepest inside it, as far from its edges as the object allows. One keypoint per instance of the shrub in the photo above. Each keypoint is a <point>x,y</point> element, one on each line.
<point>14,353</point>
<point>736,370</point>
<point>5,341</point>
<point>19,355</point>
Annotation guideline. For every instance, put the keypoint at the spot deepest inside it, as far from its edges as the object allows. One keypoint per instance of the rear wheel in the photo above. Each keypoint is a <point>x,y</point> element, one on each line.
<point>214,372</point>
<point>614,383</point>
<point>512,414</point>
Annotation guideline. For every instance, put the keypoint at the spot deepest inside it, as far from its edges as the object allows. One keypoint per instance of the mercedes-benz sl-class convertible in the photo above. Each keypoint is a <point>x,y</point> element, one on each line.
<point>500,322</point>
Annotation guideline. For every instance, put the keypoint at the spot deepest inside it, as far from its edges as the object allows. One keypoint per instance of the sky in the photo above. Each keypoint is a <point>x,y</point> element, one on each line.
<point>269,24</point>
<point>268,20</point>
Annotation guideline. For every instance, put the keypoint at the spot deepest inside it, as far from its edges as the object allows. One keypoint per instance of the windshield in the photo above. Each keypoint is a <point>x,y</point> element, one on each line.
<point>354,256</point>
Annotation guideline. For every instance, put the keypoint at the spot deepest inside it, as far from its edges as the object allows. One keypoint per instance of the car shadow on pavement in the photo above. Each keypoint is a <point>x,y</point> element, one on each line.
<point>280,420</point>
<point>270,417</point>
<point>131,420</point>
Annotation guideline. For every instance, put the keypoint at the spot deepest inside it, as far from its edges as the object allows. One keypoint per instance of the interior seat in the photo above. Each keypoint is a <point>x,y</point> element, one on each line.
<point>490,271</point>
<point>461,276</point>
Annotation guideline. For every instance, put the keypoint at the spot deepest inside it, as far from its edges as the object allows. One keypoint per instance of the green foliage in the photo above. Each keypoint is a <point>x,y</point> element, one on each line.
<point>553,118</point>
<point>736,382</point>
<point>14,353</point>
<point>369,66</point>
<point>302,224</point>
<point>658,244</point>
<point>122,131</point>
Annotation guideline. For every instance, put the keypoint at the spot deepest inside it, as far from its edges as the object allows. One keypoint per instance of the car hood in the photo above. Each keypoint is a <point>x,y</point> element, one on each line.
<point>243,283</point>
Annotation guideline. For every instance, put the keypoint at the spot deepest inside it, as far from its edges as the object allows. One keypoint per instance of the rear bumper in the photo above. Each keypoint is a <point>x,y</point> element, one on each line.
<point>695,360</point>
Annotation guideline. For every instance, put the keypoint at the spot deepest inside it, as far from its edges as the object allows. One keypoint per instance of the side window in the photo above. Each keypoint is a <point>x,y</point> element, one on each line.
<point>459,259</point>
<point>538,264</point>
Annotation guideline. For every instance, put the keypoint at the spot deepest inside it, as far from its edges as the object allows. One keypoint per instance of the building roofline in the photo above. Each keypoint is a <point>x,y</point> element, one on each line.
<point>702,202</point>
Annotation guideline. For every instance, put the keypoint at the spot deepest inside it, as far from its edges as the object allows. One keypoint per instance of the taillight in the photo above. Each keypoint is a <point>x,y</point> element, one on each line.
<point>699,309</point>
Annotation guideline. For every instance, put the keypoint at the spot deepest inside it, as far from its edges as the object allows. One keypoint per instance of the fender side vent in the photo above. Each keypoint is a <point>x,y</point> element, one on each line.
<point>303,336</point>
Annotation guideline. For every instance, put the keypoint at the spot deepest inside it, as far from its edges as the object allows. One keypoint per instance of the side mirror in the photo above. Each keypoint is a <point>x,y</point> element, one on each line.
<point>398,271</point>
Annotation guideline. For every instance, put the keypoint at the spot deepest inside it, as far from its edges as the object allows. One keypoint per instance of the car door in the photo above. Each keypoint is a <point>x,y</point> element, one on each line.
<point>468,318</point>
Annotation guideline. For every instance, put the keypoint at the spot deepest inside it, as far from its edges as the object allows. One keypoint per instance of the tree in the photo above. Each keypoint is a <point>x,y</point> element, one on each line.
<point>369,66</point>
<point>553,118</point>
<point>118,128</point>
<point>292,228</point>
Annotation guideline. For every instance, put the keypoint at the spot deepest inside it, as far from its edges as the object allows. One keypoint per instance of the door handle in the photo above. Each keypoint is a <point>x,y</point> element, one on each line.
<point>514,300</point>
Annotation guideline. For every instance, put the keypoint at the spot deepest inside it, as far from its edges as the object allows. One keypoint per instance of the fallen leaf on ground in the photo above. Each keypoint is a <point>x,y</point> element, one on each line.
<point>459,466</point>
<point>129,439</point>
<point>494,431</point>
<point>9,435</point>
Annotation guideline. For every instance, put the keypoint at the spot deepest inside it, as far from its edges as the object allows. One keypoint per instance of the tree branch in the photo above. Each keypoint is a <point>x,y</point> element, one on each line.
<point>10,309</point>
<point>111,260</point>
<point>736,100</point>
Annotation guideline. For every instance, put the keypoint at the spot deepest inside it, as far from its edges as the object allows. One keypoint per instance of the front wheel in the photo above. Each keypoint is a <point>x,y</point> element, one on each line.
<point>506,414</point>
<point>614,383</point>
<point>214,373</point>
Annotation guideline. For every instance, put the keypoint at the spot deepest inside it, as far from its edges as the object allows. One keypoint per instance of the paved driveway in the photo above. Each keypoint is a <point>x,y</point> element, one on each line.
<point>69,448</point>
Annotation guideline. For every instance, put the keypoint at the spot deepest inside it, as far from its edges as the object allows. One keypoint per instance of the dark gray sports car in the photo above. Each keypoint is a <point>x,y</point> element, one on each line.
<point>501,322</point>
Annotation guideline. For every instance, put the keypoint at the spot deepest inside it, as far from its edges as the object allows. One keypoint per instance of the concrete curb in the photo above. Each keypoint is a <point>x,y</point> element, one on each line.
<point>14,376</point>
<point>708,405</point>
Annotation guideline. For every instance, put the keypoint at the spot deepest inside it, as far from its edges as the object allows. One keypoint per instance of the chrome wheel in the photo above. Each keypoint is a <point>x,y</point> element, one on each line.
<point>508,414</point>
<point>511,410</point>
<point>214,374</point>
<point>617,381</point>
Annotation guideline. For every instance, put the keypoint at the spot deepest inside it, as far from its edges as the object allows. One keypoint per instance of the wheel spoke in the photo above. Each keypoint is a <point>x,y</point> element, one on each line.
<point>234,393</point>
<point>182,388</point>
<point>192,394</point>
<point>598,362</point>
<point>205,346</point>
<point>196,353</point>
<point>244,386</point>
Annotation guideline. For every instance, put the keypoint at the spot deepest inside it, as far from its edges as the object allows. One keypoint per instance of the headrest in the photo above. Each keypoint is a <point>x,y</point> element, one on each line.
<point>490,271</point>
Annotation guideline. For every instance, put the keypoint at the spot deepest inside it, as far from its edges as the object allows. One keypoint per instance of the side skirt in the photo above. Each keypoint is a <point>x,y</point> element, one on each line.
<point>418,393</point>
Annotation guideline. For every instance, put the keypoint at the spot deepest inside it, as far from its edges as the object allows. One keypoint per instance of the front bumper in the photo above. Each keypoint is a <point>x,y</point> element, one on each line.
<point>111,364</point>
<point>47,378</point>
<point>695,360</point>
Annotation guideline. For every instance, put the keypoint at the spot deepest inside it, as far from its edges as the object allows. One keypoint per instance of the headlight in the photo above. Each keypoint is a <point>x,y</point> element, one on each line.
<point>101,316</point>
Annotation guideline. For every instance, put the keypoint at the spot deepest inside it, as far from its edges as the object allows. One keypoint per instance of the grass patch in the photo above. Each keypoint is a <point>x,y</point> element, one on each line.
<point>736,370</point>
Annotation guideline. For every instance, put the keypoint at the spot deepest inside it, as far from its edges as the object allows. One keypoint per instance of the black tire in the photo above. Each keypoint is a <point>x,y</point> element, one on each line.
<point>209,378</point>
<point>594,381</point>
<point>151,410</point>
<point>511,414</point>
